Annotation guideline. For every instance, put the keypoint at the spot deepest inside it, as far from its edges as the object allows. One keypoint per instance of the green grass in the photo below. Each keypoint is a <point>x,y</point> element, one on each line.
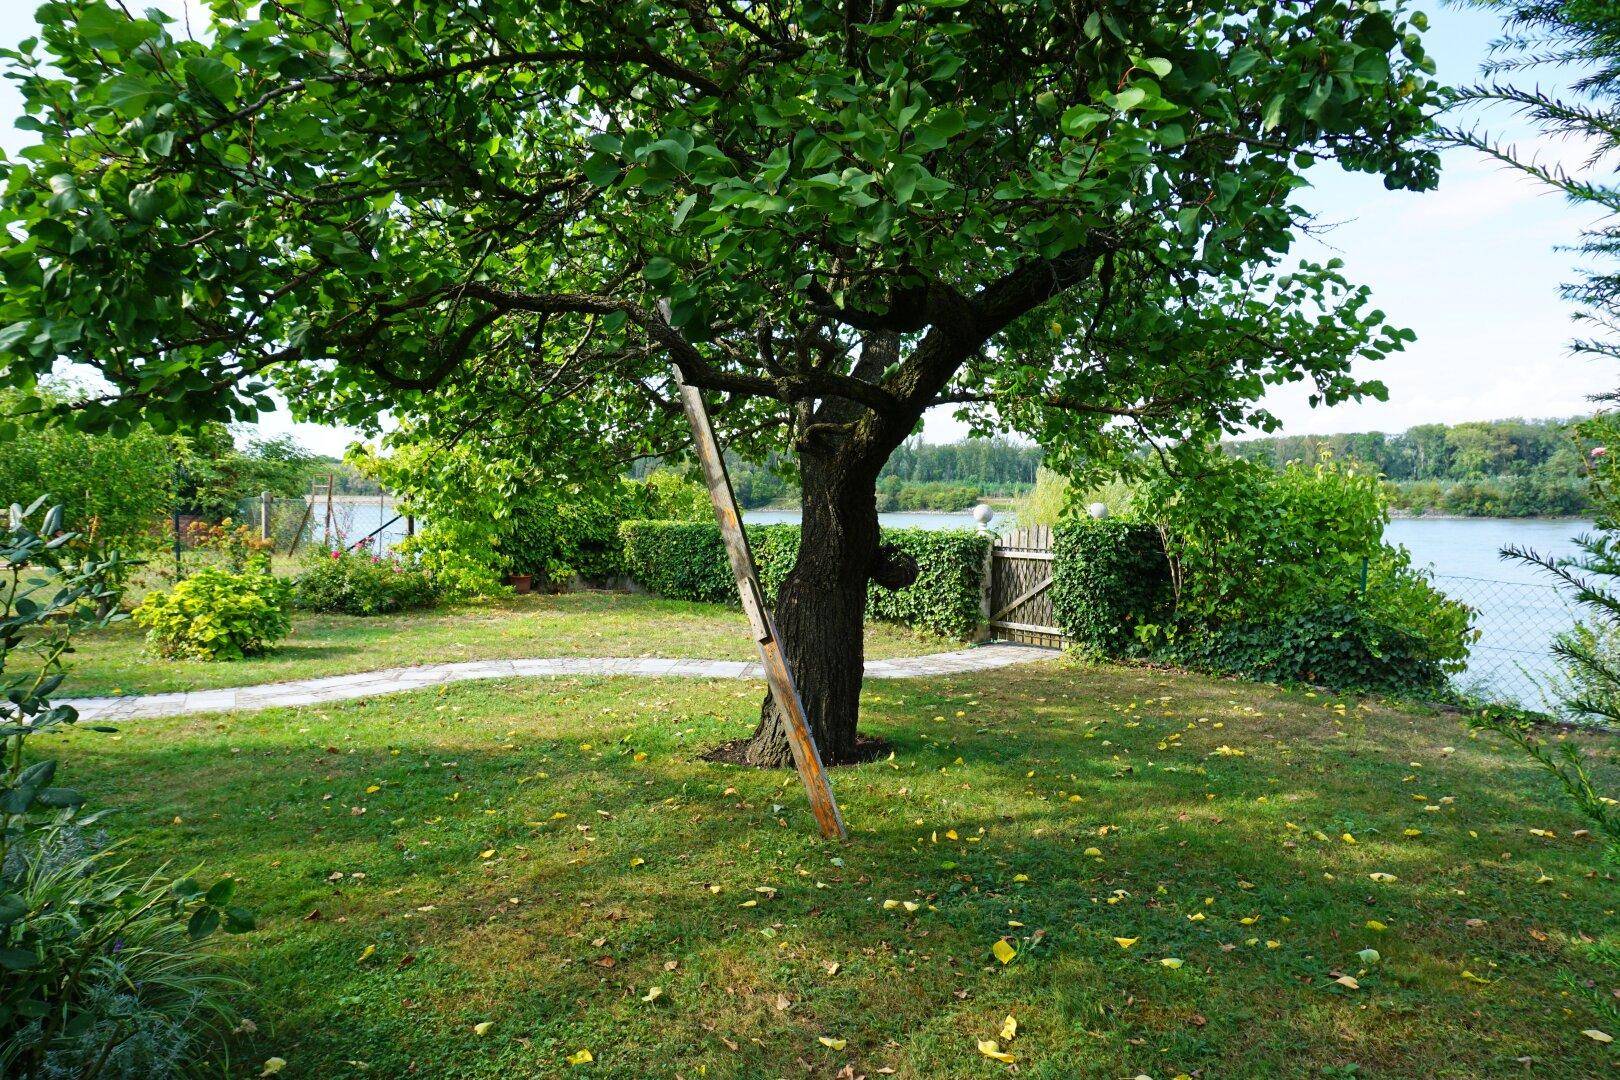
<point>536,854</point>
<point>573,624</point>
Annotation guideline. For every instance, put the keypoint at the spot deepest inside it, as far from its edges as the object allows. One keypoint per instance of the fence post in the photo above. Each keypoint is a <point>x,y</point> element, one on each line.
<point>266,504</point>
<point>987,584</point>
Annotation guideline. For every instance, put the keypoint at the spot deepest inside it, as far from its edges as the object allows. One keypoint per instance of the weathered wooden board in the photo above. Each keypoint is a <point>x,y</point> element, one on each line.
<point>777,672</point>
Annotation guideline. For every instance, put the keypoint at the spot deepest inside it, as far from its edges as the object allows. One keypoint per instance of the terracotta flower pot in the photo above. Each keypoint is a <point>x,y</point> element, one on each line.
<point>520,583</point>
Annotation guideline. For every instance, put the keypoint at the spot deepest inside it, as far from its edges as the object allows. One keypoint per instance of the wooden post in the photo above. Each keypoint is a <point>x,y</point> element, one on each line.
<point>303,522</point>
<point>777,673</point>
<point>987,586</point>
<point>266,504</point>
<point>331,481</point>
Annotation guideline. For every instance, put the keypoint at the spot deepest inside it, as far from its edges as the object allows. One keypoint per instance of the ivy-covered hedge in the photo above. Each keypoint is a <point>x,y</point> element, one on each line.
<point>686,561</point>
<point>1338,645</point>
<point>1108,578</point>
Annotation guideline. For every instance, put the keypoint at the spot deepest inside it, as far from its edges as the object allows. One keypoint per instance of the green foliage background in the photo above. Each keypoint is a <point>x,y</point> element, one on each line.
<point>1275,575</point>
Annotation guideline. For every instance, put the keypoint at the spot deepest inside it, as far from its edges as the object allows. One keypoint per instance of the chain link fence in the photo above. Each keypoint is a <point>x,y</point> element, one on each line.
<point>301,524</point>
<point>1511,662</point>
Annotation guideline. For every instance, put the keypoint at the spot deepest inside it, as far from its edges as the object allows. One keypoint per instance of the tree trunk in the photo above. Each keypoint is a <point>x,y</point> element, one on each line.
<point>821,611</point>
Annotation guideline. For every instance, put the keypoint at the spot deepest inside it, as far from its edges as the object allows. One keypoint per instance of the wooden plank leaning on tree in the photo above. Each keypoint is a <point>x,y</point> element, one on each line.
<point>777,673</point>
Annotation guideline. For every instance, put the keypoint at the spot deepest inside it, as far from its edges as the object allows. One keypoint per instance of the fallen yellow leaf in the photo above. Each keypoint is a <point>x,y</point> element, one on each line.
<point>1348,982</point>
<point>487,853</point>
<point>365,954</point>
<point>1126,942</point>
<point>831,1044</point>
<point>1171,962</point>
<point>1382,878</point>
<point>992,1049</point>
<point>483,1028</point>
<point>580,1057</point>
<point>273,1066</point>
<point>1600,1036</point>
<point>653,994</point>
<point>1003,951</point>
<point>1009,1028</point>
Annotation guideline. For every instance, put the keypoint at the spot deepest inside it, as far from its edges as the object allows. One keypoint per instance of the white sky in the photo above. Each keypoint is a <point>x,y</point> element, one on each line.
<point>1472,268</point>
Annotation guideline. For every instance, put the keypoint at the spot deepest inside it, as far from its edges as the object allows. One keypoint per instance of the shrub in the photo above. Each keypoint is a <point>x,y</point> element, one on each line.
<point>358,583</point>
<point>687,561</point>
<point>113,959</point>
<point>682,560</point>
<point>102,975</point>
<point>557,539</point>
<point>458,557</point>
<point>237,546</point>
<point>1277,575</point>
<point>217,615</point>
<point>670,496</point>
<point>1109,577</point>
<point>1339,645</point>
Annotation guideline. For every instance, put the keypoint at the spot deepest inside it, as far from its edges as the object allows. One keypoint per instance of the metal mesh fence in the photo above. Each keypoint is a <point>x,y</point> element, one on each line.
<point>1517,622</point>
<point>299,524</point>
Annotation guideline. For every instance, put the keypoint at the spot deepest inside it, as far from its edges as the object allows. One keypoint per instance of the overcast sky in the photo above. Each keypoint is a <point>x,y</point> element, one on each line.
<point>1473,268</point>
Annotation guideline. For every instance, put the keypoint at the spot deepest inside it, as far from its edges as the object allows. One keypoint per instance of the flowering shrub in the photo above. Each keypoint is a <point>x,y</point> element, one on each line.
<point>360,583</point>
<point>237,545</point>
<point>218,615</point>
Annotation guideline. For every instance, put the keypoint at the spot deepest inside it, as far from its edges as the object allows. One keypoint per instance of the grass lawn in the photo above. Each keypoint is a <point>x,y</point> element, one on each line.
<point>538,854</point>
<point>573,624</point>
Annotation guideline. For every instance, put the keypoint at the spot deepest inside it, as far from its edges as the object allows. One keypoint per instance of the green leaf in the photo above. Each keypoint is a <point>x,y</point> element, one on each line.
<point>1077,120</point>
<point>657,270</point>
<point>203,921</point>
<point>1273,114</point>
<point>1129,98</point>
<point>103,28</point>
<point>129,95</point>
<point>212,76</point>
<point>601,169</point>
<point>221,893</point>
<point>18,959</point>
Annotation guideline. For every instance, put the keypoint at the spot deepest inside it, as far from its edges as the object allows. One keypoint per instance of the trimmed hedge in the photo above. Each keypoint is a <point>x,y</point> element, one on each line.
<point>1108,578</point>
<point>685,560</point>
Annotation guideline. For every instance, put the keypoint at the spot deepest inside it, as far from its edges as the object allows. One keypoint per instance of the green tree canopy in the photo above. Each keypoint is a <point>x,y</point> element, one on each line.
<point>506,219</point>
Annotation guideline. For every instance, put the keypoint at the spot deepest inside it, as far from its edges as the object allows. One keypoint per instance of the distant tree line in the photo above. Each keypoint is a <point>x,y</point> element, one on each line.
<point>1491,468</point>
<point>919,475</point>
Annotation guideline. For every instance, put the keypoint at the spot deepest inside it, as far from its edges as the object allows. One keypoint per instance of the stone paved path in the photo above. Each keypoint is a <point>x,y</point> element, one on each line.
<point>395,680</point>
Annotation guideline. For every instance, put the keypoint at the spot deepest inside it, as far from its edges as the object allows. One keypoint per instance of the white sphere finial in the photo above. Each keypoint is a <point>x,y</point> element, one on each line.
<point>1098,510</point>
<point>983,514</point>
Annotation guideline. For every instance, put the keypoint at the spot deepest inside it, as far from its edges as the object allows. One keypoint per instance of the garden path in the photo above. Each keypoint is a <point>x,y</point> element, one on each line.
<point>396,680</point>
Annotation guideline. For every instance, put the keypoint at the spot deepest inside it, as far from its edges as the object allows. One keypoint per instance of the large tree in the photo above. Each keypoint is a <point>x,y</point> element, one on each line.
<point>1064,217</point>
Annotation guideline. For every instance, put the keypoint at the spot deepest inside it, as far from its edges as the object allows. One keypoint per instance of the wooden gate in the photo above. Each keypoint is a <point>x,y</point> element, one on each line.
<point>1021,588</point>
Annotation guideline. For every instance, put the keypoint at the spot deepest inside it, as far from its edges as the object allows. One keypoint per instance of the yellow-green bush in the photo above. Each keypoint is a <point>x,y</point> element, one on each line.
<point>218,615</point>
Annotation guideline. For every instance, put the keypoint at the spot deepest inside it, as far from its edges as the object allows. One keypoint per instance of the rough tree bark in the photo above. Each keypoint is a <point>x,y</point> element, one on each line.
<point>821,610</point>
